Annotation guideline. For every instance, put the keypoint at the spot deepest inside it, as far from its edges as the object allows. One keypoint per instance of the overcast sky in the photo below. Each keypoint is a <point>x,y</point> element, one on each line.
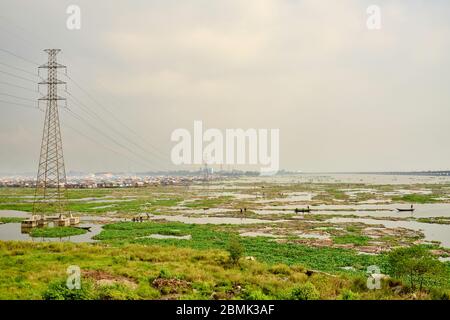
<point>344,97</point>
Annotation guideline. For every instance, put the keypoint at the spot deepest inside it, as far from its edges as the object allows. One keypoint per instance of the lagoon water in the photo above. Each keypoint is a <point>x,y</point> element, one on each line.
<point>369,212</point>
<point>432,232</point>
<point>12,231</point>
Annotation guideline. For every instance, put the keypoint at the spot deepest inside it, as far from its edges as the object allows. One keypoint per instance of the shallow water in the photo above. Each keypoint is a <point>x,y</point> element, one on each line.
<point>311,235</point>
<point>163,236</point>
<point>109,200</point>
<point>14,214</point>
<point>12,231</point>
<point>432,232</point>
<point>376,210</point>
<point>257,234</point>
<point>389,210</point>
<point>289,197</point>
<point>202,211</point>
<point>210,220</point>
<point>348,178</point>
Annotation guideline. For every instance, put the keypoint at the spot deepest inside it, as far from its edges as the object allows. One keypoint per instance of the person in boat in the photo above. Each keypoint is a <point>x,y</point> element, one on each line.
<point>411,206</point>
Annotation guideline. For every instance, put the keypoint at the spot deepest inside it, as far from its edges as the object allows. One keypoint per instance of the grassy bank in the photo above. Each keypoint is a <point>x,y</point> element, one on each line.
<point>56,232</point>
<point>218,237</point>
<point>38,270</point>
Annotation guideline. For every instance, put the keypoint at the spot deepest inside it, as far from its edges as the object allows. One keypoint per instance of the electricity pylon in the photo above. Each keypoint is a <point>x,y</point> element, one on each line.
<point>50,195</point>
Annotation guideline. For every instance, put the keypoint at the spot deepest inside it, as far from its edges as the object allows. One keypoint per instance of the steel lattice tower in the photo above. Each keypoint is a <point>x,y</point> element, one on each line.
<point>51,178</point>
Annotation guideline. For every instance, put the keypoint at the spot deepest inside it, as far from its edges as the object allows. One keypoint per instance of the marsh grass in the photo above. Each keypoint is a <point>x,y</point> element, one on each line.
<point>10,219</point>
<point>218,237</point>
<point>56,232</point>
<point>417,198</point>
<point>38,271</point>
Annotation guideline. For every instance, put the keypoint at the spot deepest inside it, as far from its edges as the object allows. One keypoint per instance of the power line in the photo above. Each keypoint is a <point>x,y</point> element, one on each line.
<point>112,114</point>
<point>17,97</point>
<point>19,104</point>
<point>77,101</point>
<point>72,128</point>
<point>102,145</point>
<point>20,69</point>
<point>85,109</point>
<point>89,111</point>
<point>77,116</point>
<point>19,57</point>
<point>94,100</point>
<point>155,149</point>
<point>17,86</point>
<point>35,35</point>
<point>16,76</point>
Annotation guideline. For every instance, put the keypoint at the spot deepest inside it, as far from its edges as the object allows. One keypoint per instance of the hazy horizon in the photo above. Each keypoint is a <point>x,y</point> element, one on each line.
<point>345,98</point>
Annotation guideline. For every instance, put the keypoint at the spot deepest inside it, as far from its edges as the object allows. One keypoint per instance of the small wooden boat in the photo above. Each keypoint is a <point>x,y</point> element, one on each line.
<point>302,210</point>
<point>84,228</point>
<point>406,210</point>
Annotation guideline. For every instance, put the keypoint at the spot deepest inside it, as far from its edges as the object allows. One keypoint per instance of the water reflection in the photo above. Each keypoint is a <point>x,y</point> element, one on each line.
<point>14,231</point>
<point>432,232</point>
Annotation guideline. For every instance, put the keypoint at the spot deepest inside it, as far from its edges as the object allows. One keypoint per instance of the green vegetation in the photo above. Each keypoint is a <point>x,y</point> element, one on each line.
<point>58,290</point>
<point>437,220</point>
<point>97,201</point>
<point>218,237</point>
<point>56,232</point>
<point>38,271</point>
<point>353,236</point>
<point>418,266</point>
<point>349,295</point>
<point>165,202</point>
<point>235,250</point>
<point>208,203</point>
<point>215,262</point>
<point>416,198</point>
<point>350,238</point>
<point>305,291</point>
<point>10,219</point>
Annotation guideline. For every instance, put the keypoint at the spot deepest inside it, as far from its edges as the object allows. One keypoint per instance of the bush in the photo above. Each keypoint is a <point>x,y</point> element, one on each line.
<point>359,284</point>
<point>299,268</point>
<point>416,265</point>
<point>116,292</point>
<point>280,269</point>
<point>164,274</point>
<point>56,232</point>
<point>58,290</point>
<point>349,295</point>
<point>305,291</point>
<point>440,294</point>
<point>235,250</point>
<point>255,295</point>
